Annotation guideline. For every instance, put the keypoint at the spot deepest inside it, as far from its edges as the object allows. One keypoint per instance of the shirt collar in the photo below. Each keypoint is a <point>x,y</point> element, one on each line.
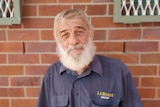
<point>95,66</point>
<point>62,68</point>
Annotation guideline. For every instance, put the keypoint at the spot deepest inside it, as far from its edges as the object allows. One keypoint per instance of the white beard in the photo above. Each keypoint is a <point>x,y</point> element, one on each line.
<point>77,61</point>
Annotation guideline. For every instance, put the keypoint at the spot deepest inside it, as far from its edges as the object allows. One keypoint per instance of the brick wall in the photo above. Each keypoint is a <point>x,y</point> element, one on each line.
<point>27,50</point>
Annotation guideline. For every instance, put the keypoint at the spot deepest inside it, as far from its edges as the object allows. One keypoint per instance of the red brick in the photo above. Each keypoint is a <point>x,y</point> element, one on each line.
<point>47,35</point>
<point>4,102</point>
<point>158,93</point>
<point>3,26</point>
<point>40,47</point>
<point>11,70</point>
<point>109,46</point>
<point>29,10</point>
<point>23,35</point>
<point>23,59</point>
<point>126,58</point>
<point>99,35</point>
<point>150,81</point>
<point>136,81</point>
<point>151,103</point>
<point>123,34</point>
<point>110,9</point>
<point>96,9</point>
<point>48,58</point>
<point>2,38</point>
<point>38,22</point>
<point>147,92</point>
<point>128,25</point>
<point>32,92</point>
<point>11,47</point>
<point>104,22</point>
<point>52,10</point>
<point>136,24</point>
<point>3,35</point>
<point>27,102</point>
<point>35,70</point>
<point>144,24</point>
<point>74,1</point>
<point>4,81</point>
<point>150,58</point>
<point>11,92</point>
<point>151,34</point>
<point>143,70</point>
<point>25,81</point>
<point>159,70</point>
<point>39,1</point>
<point>3,58</point>
<point>141,46</point>
<point>156,24</point>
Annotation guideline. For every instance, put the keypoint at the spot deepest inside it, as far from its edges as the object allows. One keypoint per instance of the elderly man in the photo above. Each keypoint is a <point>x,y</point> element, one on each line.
<point>81,78</point>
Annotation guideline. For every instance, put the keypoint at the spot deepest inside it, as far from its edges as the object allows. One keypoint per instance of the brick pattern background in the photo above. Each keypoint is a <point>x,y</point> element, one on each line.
<point>27,50</point>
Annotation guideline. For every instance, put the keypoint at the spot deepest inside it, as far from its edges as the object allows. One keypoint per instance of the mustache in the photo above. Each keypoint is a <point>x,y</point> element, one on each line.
<point>71,47</point>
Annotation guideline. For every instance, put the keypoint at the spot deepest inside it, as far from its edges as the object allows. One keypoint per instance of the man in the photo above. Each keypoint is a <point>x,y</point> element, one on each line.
<point>81,78</point>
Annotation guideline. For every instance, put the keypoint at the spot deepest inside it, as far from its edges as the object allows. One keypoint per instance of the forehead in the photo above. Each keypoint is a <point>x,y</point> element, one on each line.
<point>67,24</point>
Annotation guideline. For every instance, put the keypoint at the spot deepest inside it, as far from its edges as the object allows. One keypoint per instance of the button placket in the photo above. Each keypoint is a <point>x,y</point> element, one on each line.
<point>76,93</point>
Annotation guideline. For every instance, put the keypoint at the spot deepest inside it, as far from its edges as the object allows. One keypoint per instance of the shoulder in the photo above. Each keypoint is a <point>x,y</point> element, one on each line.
<point>109,60</point>
<point>53,68</point>
<point>114,64</point>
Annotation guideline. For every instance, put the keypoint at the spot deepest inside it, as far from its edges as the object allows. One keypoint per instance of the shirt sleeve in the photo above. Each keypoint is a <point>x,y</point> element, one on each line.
<point>43,100</point>
<point>131,97</point>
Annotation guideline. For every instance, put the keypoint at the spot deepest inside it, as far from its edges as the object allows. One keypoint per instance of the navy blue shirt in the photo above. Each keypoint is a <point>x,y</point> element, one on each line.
<point>106,83</point>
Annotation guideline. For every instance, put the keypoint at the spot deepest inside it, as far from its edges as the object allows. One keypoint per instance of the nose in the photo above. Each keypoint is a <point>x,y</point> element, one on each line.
<point>73,39</point>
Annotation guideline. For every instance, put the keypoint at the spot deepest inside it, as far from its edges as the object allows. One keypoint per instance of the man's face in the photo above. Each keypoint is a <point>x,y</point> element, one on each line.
<point>74,45</point>
<point>73,32</point>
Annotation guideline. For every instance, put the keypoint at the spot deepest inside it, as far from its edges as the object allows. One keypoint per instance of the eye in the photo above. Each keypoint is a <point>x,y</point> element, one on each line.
<point>64,35</point>
<point>79,32</point>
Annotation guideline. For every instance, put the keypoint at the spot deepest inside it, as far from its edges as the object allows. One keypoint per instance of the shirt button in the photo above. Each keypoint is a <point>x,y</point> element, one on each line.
<point>77,94</point>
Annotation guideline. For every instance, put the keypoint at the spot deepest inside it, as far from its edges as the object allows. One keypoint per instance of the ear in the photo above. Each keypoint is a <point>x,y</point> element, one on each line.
<point>91,34</point>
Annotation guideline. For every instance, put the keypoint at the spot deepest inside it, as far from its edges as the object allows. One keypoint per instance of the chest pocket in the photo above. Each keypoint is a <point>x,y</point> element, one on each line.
<point>59,101</point>
<point>102,102</point>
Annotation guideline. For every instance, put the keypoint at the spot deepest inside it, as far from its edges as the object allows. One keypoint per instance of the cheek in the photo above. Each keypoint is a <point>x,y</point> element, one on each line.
<point>64,44</point>
<point>86,37</point>
<point>85,40</point>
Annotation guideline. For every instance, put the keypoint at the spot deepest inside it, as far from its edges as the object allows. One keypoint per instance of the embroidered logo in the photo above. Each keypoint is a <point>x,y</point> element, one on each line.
<point>105,95</point>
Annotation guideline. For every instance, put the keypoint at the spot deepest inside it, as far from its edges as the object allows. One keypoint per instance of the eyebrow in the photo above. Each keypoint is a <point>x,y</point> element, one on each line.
<point>79,27</point>
<point>63,31</point>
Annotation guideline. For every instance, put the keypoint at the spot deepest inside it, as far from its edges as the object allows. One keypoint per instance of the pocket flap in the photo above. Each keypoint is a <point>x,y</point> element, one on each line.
<point>61,100</point>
